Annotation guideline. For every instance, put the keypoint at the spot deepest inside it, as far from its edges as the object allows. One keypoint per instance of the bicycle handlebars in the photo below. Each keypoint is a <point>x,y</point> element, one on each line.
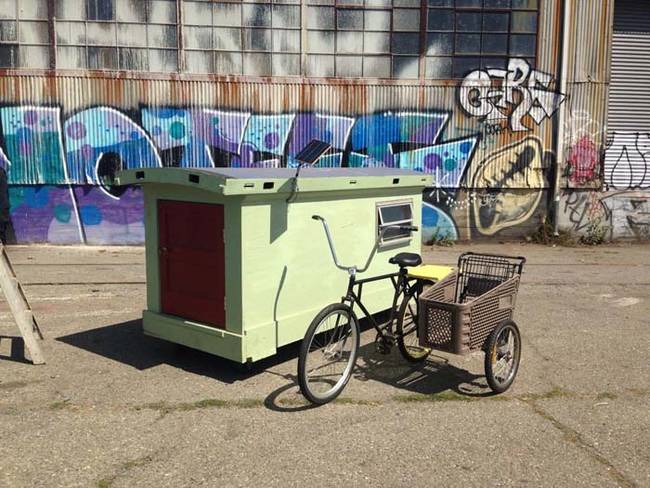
<point>354,269</point>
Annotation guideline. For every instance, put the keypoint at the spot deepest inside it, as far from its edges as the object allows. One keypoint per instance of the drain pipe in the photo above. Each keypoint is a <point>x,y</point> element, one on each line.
<point>560,150</point>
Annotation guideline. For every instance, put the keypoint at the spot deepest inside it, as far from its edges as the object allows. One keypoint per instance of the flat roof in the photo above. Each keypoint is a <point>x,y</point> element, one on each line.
<point>262,173</point>
<point>240,181</point>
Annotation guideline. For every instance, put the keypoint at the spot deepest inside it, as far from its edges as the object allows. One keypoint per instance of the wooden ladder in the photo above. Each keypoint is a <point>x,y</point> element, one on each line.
<point>20,309</point>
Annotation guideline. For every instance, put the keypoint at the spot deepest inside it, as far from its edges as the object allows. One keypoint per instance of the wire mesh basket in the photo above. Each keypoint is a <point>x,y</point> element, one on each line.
<point>458,313</point>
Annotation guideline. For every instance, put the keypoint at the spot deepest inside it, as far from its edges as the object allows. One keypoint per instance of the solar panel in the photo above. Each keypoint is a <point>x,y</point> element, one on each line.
<point>312,151</point>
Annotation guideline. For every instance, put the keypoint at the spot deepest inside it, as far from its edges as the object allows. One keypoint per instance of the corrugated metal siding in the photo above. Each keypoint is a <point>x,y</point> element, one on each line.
<point>628,121</point>
<point>73,93</point>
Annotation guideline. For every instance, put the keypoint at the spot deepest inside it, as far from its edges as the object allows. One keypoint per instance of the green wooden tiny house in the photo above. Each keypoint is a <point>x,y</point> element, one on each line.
<point>235,270</point>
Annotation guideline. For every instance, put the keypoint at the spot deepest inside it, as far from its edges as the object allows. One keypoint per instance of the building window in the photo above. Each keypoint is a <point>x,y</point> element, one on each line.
<point>247,38</point>
<point>394,214</point>
<point>117,34</point>
<point>378,39</point>
<point>24,35</point>
<point>465,35</point>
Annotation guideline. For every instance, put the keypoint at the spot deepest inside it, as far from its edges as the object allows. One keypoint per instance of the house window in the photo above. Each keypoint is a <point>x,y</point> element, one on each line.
<point>24,35</point>
<point>466,35</point>
<point>391,214</point>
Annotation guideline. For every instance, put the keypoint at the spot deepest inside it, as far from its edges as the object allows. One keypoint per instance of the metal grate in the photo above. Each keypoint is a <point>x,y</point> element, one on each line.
<point>479,273</point>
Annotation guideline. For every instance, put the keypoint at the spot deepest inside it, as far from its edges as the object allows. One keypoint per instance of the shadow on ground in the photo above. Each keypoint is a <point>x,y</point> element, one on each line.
<point>124,342</point>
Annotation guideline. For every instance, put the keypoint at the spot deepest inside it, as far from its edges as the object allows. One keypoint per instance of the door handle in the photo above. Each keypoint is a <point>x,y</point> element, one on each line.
<point>162,250</point>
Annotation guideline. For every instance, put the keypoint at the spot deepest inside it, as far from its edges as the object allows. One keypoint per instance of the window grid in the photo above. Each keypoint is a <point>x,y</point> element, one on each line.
<point>468,36</point>
<point>24,34</point>
<point>103,34</point>
<point>409,39</point>
<point>243,37</point>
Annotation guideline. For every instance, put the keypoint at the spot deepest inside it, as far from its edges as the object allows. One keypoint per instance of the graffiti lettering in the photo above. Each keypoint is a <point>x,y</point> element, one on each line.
<point>496,95</point>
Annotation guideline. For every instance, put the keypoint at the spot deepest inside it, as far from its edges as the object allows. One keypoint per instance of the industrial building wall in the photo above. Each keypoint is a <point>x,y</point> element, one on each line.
<point>483,124</point>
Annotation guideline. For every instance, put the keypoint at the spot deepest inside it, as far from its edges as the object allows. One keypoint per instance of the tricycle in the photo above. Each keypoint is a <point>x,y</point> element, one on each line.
<point>434,307</point>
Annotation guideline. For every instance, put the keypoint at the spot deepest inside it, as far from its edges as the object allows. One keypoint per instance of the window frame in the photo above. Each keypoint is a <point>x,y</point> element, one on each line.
<point>402,236</point>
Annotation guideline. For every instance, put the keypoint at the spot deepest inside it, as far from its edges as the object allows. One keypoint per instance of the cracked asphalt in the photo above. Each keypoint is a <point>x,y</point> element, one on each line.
<point>113,408</point>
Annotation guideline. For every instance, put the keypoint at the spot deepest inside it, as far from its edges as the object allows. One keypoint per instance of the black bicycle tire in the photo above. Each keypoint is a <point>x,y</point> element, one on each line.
<point>304,351</point>
<point>399,327</point>
<point>498,387</point>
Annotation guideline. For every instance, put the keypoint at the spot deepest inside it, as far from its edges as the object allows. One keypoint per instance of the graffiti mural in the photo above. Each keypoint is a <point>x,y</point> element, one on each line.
<point>61,171</point>
<point>582,161</point>
<point>510,95</point>
<point>628,214</point>
<point>508,186</point>
<point>627,161</point>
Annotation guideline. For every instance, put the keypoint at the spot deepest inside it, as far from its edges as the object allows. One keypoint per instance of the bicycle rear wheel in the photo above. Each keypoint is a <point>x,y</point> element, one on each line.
<point>408,340</point>
<point>328,353</point>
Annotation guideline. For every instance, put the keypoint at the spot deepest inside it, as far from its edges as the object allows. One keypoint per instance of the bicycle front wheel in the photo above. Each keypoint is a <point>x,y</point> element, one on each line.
<point>408,339</point>
<point>328,353</point>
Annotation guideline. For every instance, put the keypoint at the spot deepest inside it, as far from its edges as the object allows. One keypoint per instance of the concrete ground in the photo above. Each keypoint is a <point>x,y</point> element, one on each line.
<point>113,408</point>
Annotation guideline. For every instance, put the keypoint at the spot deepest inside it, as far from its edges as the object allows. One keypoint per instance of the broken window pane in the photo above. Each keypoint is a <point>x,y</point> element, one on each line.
<point>99,10</point>
<point>8,55</point>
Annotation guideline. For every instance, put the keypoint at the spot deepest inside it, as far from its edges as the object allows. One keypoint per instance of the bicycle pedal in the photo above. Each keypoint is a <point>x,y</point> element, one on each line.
<point>383,348</point>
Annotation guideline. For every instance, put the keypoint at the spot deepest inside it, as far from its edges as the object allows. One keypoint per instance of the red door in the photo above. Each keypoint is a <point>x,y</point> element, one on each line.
<point>192,261</point>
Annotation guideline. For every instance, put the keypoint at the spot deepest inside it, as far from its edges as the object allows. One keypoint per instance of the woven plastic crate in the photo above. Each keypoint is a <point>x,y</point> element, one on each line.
<point>458,313</point>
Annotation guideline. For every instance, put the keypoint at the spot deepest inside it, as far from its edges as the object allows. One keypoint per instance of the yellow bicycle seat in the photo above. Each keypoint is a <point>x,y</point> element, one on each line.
<point>430,272</point>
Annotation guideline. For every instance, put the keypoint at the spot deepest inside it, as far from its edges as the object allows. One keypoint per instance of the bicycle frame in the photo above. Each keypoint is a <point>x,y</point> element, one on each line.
<point>400,281</point>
